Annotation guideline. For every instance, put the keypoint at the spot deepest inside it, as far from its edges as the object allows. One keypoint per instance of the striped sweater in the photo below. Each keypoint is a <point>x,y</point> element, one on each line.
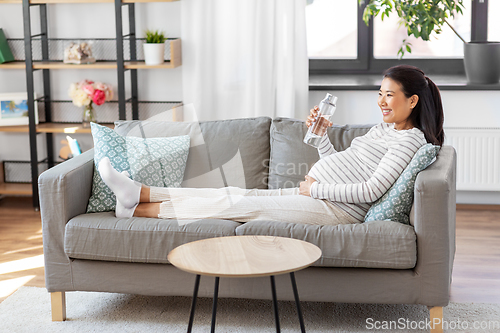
<point>356,177</point>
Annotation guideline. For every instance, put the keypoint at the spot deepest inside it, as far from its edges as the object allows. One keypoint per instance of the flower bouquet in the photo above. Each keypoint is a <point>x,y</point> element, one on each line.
<point>85,93</point>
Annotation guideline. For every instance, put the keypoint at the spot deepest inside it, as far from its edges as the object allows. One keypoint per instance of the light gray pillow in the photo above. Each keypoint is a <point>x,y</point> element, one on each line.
<point>232,152</point>
<point>396,203</point>
<point>198,161</point>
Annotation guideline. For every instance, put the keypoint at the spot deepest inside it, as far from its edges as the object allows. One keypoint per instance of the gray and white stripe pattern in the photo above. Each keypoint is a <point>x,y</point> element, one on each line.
<point>356,177</point>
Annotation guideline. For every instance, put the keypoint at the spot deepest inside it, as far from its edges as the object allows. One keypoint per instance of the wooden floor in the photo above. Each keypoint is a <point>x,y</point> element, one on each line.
<point>21,253</point>
<point>476,273</point>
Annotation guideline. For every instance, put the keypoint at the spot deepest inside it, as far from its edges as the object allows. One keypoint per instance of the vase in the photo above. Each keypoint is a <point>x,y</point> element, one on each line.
<point>88,116</point>
<point>482,62</point>
<point>154,53</point>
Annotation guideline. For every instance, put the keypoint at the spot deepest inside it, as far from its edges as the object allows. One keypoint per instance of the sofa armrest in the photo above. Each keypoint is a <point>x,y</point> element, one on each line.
<point>64,193</point>
<point>435,211</point>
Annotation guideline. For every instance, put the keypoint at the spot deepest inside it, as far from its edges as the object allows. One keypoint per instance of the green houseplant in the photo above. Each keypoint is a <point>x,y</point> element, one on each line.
<point>155,37</point>
<point>422,17</point>
<point>154,47</point>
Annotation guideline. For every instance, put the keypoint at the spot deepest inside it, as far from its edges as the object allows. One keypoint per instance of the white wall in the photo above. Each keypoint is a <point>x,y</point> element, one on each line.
<point>461,108</point>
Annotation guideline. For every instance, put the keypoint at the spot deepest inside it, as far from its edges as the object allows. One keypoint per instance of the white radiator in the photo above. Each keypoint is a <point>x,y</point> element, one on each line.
<point>478,157</point>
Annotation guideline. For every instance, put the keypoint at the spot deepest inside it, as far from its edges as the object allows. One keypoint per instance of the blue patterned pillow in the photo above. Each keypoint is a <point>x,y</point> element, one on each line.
<point>152,161</point>
<point>395,204</point>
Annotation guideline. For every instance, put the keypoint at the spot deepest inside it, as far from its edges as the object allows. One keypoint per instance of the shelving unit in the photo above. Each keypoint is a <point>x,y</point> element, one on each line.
<point>51,128</point>
<point>120,65</point>
<point>175,61</point>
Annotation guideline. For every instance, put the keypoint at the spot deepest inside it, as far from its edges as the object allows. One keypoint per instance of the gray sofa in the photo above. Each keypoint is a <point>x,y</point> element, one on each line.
<point>372,262</point>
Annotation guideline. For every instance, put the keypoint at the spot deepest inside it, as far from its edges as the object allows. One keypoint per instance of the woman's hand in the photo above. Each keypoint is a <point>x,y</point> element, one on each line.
<point>305,186</point>
<point>313,113</point>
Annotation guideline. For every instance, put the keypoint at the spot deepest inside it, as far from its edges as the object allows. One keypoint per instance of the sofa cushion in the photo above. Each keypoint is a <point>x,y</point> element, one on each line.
<point>151,161</point>
<point>101,236</point>
<point>197,162</point>
<point>377,244</point>
<point>223,153</point>
<point>396,203</point>
<point>291,159</point>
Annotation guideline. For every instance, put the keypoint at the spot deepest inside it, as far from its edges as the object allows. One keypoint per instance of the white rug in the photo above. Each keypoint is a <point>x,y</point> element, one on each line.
<point>28,310</point>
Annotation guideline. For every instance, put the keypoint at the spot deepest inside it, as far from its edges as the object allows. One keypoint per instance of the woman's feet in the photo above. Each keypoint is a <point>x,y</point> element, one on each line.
<point>127,191</point>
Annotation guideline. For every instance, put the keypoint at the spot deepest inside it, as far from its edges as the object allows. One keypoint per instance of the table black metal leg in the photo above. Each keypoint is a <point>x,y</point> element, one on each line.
<point>275,305</point>
<point>193,303</point>
<point>297,302</point>
<point>214,308</point>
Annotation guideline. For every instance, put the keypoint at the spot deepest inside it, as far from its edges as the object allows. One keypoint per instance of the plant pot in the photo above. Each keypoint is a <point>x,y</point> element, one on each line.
<point>154,53</point>
<point>482,62</point>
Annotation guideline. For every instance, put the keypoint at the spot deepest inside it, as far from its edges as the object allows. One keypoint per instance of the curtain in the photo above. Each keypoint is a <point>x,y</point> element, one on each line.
<point>245,58</point>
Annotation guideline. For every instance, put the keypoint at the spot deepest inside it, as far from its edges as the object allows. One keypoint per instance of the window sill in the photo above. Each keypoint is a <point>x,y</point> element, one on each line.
<point>372,82</point>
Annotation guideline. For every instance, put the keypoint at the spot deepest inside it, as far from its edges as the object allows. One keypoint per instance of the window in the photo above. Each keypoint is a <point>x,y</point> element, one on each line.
<point>493,22</point>
<point>341,42</point>
<point>388,37</point>
<point>332,37</point>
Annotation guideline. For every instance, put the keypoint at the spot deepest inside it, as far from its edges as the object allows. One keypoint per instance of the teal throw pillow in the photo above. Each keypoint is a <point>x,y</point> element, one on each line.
<point>151,161</point>
<point>395,204</point>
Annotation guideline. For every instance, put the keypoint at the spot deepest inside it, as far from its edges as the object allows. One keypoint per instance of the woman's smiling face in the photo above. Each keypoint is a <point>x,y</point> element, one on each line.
<point>395,106</point>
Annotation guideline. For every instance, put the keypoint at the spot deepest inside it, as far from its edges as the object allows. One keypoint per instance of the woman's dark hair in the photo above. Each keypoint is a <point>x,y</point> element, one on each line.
<point>428,114</point>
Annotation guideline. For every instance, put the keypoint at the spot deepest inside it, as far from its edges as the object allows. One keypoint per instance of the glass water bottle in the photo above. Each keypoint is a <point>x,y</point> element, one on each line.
<point>316,131</point>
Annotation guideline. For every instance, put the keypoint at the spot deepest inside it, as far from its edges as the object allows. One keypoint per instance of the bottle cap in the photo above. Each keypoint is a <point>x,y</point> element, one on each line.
<point>330,99</point>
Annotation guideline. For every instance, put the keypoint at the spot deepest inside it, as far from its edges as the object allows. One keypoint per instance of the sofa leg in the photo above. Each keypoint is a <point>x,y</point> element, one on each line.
<point>436,318</point>
<point>58,304</point>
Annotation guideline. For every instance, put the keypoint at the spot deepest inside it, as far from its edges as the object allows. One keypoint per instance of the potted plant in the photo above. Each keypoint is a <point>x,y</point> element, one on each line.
<point>154,48</point>
<point>481,59</point>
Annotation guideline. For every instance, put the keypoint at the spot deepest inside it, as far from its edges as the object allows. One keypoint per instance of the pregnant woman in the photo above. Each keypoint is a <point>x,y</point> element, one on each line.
<point>339,188</point>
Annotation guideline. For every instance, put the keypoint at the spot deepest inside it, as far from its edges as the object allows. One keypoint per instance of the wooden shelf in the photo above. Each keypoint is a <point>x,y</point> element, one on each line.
<point>15,129</point>
<point>69,1</point>
<point>175,58</point>
<point>175,61</point>
<point>52,128</point>
<point>62,65</point>
<point>142,65</point>
<point>13,65</point>
<point>65,128</point>
<point>97,65</point>
<point>100,65</point>
<point>15,189</point>
<point>135,1</point>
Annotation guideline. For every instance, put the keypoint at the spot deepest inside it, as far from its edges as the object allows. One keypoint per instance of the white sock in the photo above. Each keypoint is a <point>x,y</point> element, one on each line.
<point>120,210</point>
<point>127,191</point>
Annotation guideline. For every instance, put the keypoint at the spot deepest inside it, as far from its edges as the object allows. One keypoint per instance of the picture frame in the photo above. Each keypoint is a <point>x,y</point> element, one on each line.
<point>14,109</point>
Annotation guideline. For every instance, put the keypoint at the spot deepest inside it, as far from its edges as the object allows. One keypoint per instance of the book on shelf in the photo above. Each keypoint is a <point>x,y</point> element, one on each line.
<point>74,146</point>
<point>5,52</point>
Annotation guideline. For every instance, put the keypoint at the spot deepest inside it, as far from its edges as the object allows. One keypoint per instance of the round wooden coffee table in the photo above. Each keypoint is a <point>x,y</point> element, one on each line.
<point>244,256</point>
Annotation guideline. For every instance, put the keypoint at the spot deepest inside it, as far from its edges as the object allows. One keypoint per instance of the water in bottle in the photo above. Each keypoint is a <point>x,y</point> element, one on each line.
<point>316,131</point>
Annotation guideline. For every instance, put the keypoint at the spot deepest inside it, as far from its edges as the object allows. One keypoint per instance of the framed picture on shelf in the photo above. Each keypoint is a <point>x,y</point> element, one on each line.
<point>14,109</point>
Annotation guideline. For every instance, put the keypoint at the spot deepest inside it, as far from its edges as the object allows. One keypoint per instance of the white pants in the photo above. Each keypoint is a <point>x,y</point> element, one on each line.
<point>241,205</point>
